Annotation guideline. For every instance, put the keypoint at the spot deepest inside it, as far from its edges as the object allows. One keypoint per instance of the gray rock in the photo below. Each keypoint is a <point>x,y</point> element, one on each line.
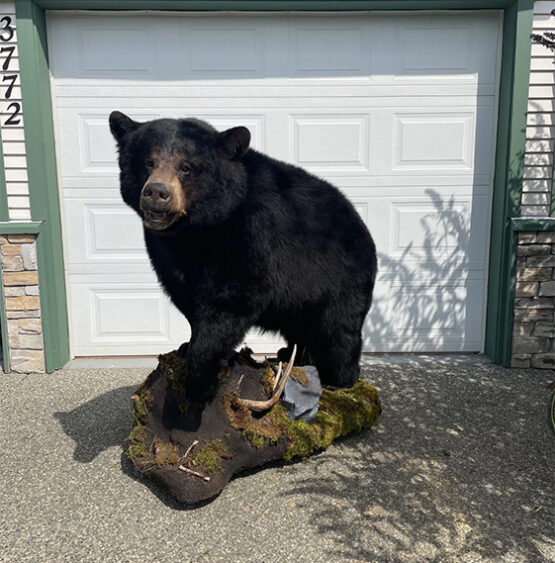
<point>302,402</point>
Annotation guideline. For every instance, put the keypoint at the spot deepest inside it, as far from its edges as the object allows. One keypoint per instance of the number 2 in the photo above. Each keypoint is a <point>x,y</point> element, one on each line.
<point>17,110</point>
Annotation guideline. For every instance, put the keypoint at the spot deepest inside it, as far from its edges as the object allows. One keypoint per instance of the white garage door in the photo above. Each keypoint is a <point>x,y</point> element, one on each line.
<point>398,111</point>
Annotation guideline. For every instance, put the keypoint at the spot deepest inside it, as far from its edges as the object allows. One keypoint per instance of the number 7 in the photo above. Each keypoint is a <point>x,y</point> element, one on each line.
<point>8,78</point>
<point>10,50</point>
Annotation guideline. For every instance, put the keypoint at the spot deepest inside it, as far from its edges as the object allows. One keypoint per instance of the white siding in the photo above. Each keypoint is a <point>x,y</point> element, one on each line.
<point>538,158</point>
<point>13,136</point>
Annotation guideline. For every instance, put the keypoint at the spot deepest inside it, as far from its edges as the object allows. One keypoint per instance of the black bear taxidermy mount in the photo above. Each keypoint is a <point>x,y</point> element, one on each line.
<point>240,240</point>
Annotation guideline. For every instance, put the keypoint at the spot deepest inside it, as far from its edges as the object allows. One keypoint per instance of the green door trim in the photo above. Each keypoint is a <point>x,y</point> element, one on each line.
<point>45,205</point>
<point>507,188</point>
<point>552,194</point>
<point>4,210</point>
<point>533,224</point>
<point>4,216</point>
<point>20,227</point>
<point>4,329</point>
<point>43,184</point>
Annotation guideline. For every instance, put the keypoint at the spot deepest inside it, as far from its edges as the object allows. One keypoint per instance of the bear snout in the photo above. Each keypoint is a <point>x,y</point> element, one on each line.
<point>160,206</point>
<point>156,196</point>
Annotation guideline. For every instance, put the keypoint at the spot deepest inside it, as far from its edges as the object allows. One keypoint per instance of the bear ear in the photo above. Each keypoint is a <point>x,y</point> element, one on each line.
<point>120,125</point>
<point>235,141</point>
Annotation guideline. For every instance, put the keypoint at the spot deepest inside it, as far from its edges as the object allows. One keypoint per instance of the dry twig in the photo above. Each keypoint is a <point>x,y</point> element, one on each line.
<point>195,473</point>
<point>189,450</point>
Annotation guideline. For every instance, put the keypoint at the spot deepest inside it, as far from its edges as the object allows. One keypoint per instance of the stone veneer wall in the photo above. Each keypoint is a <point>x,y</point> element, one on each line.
<point>18,261</point>
<point>534,324</point>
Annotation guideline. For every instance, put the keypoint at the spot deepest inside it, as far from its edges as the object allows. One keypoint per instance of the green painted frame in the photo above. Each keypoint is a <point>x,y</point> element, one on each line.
<point>533,224</point>
<point>43,185</point>
<point>552,202</point>
<point>4,216</point>
<point>20,228</point>
<point>507,188</point>
<point>4,330</point>
<point>508,165</point>
<point>4,210</point>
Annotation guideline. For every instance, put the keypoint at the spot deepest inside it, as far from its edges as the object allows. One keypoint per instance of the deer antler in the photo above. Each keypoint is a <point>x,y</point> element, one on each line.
<point>259,406</point>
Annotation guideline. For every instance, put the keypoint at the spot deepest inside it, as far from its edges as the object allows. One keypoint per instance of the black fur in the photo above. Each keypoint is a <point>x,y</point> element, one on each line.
<point>263,243</point>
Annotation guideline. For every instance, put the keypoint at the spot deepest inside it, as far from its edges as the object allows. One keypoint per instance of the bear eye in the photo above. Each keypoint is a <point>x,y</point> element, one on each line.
<point>149,164</point>
<point>186,169</point>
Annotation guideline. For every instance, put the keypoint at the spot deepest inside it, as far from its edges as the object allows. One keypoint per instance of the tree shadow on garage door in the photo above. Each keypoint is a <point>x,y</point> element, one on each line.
<point>430,290</point>
<point>459,469</point>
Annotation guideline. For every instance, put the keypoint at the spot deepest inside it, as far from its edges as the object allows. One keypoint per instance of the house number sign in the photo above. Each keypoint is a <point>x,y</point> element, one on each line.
<point>9,79</point>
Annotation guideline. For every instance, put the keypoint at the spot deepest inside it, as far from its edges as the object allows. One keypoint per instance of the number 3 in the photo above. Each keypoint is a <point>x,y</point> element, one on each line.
<point>6,28</point>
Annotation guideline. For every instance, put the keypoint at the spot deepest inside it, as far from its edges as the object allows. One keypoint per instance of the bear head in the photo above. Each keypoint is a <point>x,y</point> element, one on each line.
<point>179,172</point>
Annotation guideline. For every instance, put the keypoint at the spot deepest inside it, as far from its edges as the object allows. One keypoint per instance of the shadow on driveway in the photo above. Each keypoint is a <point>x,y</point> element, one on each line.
<point>460,468</point>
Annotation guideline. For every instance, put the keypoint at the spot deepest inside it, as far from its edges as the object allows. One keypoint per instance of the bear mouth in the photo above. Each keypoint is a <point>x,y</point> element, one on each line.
<point>158,221</point>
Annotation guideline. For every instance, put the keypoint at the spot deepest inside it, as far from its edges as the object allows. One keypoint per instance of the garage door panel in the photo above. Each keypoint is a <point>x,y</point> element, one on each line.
<point>248,48</point>
<point>130,318</point>
<point>109,48</point>
<point>330,144</point>
<point>93,240</point>
<point>328,47</point>
<point>424,317</point>
<point>89,150</point>
<point>154,326</point>
<point>425,141</point>
<point>435,230</point>
<point>206,52</point>
<point>118,47</point>
<point>433,141</point>
<point>423,49</point>
<point>86,145</point>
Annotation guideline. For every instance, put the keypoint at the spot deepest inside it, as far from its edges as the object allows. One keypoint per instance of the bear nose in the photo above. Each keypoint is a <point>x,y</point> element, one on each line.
<point>156,191</point>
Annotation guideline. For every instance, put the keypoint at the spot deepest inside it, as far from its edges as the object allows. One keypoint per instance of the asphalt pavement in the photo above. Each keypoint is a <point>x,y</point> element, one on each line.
<point>460,468</point>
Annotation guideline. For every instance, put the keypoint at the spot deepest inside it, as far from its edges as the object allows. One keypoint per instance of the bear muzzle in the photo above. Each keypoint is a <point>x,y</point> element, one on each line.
<point>158,205</point>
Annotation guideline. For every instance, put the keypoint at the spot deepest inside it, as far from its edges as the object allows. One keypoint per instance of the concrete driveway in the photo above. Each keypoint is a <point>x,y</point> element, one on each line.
<point>461,468</point>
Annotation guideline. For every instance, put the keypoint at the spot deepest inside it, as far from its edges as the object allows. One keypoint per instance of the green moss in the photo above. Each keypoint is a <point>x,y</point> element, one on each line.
<point>237,413</point>
<point>136,442</point>
<point>142,403</point>
<point>299,375</point>
<point>341,412</point>
<point>258,431</point>
<point>262,432</point>
<point>268,380</point>
<point>210,456</point>
<point>165,453</point>
<point>177,369</point>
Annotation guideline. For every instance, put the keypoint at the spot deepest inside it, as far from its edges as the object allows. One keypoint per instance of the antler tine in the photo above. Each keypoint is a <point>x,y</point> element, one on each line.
<point>278,375</point>
<point>259,406</point>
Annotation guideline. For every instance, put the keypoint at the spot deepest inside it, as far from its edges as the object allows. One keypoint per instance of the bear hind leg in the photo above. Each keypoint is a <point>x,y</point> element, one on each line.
<point>335,349</point>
